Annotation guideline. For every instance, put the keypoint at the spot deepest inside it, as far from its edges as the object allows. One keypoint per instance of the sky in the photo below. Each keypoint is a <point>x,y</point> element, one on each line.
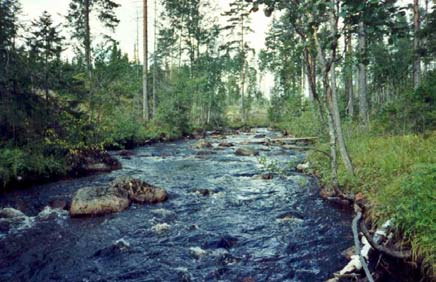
<point>129,13</point>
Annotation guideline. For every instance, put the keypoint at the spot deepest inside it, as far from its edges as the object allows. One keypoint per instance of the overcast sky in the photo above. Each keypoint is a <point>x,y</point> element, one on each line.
<point>127,13</point>
<point>126,33</point>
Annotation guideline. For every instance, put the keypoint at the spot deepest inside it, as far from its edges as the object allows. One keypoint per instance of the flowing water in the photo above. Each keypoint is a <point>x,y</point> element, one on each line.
<point>247,229</point>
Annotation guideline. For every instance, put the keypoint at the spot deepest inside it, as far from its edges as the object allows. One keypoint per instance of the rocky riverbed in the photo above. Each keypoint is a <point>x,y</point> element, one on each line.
<point>225,218</point>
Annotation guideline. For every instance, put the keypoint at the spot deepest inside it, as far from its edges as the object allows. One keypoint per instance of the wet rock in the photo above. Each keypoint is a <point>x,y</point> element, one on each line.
<point>226,242</point>
<point>267,176</point>
<point>98,201</point>
<point>51,213</point>
<point>348,253</point>
<point>258,136</point>
<point>59,204</point>
<point>140,192</point>
<point>203,192</point>
<point>197,252</point>
<point>11,213</point>
<point>161,227</point>
<point>246,151</point>
<point>302,167</point>
<point>11,218</point>
<point>289,217</point>
<point>118,247</point>
<point>226,144</point>
<point>97,167</point>
<point>205,153</point>
<point>122,245</point>
<point>126,153</point>
<point>202,144</point>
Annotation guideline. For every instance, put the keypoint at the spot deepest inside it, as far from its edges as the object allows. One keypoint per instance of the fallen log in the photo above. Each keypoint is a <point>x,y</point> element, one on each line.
<point>392,253</point>
<point>294,139</point>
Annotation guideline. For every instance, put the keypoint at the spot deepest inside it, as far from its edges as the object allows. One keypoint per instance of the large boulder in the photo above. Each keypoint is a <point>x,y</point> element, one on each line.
<point>98,201</point>
<point>141,192</point>
<point>115,197</point>
<point>246,151</point>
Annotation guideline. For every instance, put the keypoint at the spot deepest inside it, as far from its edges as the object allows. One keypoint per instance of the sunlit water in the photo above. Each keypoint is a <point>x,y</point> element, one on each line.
<point>249,229</point>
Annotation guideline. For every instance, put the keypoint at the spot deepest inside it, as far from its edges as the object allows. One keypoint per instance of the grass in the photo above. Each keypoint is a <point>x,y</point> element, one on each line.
<point>398,176</point>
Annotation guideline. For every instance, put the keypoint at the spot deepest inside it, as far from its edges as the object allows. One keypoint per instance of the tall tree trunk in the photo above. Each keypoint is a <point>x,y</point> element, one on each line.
<point>311,77</point>
<point>145,107</point>
<point>329,84</point>
<point>349,92</point>
<point>154,59</point>
<point>87,38</point>
<point>337,122</point>
<point>363,87</point>
<point>416,44</point>
<point>243,71</point>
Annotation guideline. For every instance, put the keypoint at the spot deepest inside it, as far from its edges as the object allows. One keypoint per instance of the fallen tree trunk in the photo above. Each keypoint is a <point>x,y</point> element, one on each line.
<point>392,253</point>
<point>364,254</point>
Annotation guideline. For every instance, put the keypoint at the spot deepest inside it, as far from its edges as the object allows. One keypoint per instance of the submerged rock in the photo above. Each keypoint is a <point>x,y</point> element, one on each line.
<point>226,144</point>
<point>202,144</point>
<point>203,191</point>
<point>246,151</point>
<point>98,201</point>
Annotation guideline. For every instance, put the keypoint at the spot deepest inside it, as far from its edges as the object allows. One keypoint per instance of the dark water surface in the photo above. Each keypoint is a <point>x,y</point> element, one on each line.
<point>249,230</point>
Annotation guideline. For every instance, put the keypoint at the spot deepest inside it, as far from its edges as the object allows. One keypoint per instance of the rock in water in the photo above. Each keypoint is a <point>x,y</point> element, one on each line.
<point>246,151</point>
<point>98,201</point>
<point>225,144</point>
<point>141,192</point>
<point>11,213</point>
<point>203,144</point>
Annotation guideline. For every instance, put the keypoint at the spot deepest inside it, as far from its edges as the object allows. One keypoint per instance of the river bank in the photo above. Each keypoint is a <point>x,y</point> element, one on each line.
<point>394,181</point>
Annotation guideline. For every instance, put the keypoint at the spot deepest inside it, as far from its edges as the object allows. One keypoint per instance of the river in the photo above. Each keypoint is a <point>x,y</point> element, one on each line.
<point>246,229</point>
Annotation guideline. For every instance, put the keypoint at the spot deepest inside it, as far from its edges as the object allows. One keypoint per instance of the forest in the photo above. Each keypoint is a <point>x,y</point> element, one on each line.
<point>356,80</point>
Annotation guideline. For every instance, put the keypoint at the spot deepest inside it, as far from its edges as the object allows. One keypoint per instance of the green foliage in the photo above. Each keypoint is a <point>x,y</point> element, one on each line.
<point>413,111</point>
<point>27,163</point>
<point>389,173</point>
<point>410,201</point>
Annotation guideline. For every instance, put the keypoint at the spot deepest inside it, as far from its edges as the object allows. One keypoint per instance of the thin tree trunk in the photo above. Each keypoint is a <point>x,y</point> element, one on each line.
<point>416,44</point>
<point>87,38</point>
<point>154,59</point>
<point>243,71</point>
<point>337,121</point>
<point>145,108</point>
<point>349,93</point>
<point>363,87</point>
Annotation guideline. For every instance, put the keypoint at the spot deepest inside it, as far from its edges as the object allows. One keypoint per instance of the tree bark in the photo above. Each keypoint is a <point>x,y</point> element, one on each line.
<point>363,87</point>
<point>337,121</point>
<point>416,44</point>
<point>87,38</point>
<point>154,59</point>
<point>145,108</point>
<point>349,92</point>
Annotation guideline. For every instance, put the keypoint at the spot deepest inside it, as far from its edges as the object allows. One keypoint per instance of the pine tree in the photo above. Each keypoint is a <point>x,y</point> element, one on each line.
<point>45,44</point>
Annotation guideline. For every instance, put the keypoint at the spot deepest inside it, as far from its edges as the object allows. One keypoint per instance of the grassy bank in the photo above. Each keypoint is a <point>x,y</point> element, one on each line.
<point>397,175</point>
